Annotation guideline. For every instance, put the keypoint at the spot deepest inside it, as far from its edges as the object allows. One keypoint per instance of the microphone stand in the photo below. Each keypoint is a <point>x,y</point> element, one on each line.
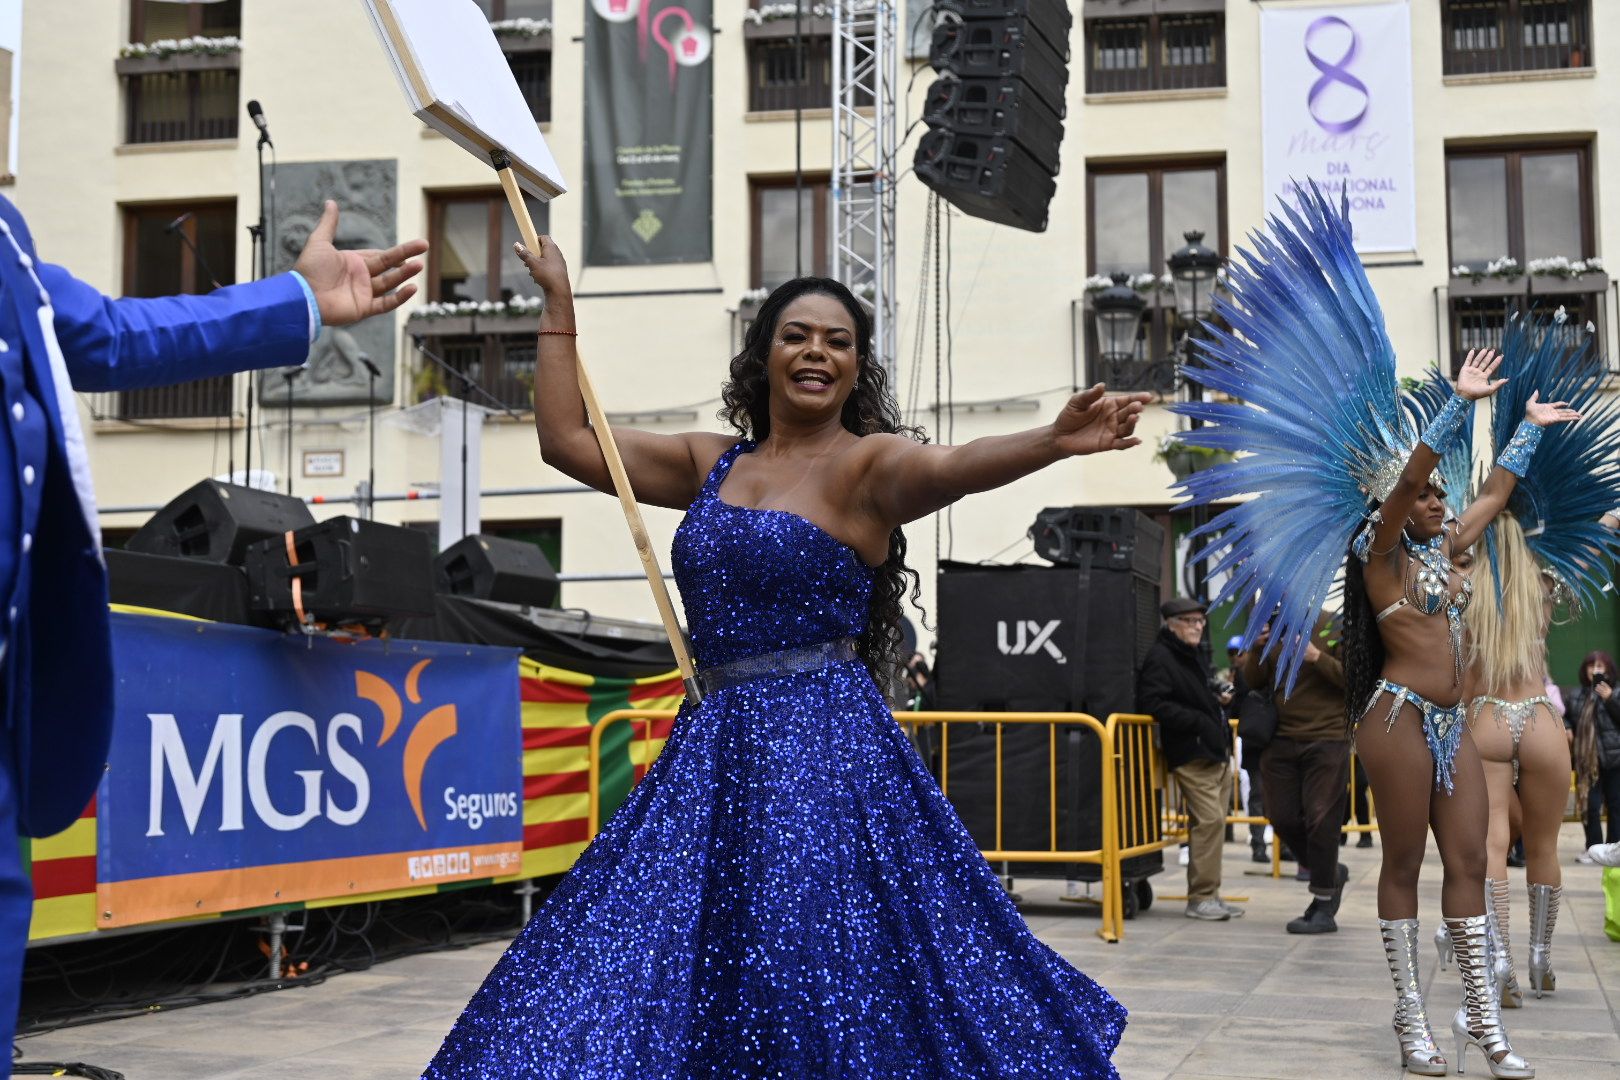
<point>469,386</point>
<point>371,435</point>
<point>261,270</point>
<point>289,374</point>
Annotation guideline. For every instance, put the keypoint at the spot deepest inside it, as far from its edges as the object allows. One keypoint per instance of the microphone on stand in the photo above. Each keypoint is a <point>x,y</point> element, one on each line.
<point>256,113</point>
<point>173,229</point>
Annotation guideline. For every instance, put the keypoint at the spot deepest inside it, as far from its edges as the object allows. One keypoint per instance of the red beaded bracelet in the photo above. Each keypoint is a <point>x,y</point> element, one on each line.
<point>565,333</point>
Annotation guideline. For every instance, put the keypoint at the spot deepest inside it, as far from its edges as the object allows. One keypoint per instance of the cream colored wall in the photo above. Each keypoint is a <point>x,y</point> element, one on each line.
<point>328,93</point>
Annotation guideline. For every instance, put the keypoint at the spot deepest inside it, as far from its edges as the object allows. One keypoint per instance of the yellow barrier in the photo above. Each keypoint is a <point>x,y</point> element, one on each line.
<point>1132,780</point>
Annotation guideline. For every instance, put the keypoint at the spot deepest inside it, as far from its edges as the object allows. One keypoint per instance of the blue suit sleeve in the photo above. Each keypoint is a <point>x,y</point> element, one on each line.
<point>124,344</point>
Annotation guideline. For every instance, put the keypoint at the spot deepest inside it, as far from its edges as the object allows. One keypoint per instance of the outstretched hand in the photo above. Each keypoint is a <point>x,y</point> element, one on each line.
<point>1474,380</point>
<point>354,285</point>
<point>1094,421</point>
<point>1541,413</point>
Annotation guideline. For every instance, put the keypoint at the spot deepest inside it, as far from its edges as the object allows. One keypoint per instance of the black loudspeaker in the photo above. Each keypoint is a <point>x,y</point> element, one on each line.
<point>349,571</point>
<point>494,568</point>
<point>217,522</point>
<point>204,590</point>
<point>994,178</point>
<point>1108,538</point>
<point>995,116</point>
<point>985,108</point>
<point>1040,639</point>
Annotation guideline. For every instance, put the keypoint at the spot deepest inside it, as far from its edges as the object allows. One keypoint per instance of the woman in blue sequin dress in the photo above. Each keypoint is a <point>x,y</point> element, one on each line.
<point>787,893</point>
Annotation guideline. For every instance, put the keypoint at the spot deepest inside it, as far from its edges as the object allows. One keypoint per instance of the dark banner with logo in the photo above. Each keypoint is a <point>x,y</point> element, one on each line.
<point>649,123</point>
<point>250,768</point>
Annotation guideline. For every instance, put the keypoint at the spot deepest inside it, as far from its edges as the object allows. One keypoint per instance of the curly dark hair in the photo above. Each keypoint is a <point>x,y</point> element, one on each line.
<point>871,409</point>
<point>1361,648</point>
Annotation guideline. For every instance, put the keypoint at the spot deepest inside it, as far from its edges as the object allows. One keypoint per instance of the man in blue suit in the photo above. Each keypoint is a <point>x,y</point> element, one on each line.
<point>58,335</point>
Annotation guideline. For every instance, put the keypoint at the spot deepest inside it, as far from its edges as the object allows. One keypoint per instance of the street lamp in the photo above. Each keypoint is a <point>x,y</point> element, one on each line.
<point>1119,320</point>
<point>1193,270</point>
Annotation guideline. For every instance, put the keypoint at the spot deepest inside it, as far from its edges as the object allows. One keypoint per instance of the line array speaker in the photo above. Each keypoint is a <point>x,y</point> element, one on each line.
<point>995,115</point>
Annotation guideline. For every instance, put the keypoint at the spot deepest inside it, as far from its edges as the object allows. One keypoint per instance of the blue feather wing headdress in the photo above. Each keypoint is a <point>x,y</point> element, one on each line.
<point>1456,472</point>
<point>1574,478</point>
<point>1318,419</point>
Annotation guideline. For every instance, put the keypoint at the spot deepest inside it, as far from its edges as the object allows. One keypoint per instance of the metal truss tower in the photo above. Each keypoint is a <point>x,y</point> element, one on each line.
<point>865,74</point>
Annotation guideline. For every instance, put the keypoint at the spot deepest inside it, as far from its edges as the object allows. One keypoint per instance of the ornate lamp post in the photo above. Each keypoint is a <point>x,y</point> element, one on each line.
<point>1192,270</point>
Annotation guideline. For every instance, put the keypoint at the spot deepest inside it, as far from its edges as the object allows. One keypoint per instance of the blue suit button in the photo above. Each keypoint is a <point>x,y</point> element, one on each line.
<point>28,474</point>
<point>16,409</point>
<point>27,542</point>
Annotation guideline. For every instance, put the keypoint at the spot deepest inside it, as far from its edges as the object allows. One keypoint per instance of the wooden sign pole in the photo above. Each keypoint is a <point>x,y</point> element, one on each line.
<point>610,454</point>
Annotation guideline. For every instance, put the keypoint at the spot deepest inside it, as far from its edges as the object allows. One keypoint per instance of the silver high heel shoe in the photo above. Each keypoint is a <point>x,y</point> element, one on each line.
<point>1543,914</point>
<point>1442,945</point>
<point>1479,1022</point>
<point>1419,1054</point>
<point>1507,983</point>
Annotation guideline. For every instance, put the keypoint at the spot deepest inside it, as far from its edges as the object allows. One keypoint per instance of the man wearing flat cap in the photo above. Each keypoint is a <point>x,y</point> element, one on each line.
<point>1174,687</point>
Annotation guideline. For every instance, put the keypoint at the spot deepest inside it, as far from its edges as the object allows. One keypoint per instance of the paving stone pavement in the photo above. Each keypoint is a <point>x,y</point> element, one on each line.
<point>1207,1000</point>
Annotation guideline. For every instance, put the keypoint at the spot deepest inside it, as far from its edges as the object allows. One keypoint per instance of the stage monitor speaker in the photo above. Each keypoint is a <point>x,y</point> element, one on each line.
<point>1104,537</point>
<point>217,521</point>
<point>994,178</point>
<point>984,108</point>
<point>495,568</point>
<point>349,571</point>
<point>204,590</point>
<point>1038,639</point>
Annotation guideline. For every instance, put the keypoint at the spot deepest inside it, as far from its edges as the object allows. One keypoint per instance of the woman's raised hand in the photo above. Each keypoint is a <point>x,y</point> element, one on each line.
<point>547,268</point>
<point>1474,380</point>
<point>1094,421</point>
<point>1541,413</point>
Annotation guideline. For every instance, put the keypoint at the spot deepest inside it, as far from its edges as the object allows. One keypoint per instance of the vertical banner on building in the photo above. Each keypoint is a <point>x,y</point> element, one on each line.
<point>649,125</point>
<point>1336,108</point>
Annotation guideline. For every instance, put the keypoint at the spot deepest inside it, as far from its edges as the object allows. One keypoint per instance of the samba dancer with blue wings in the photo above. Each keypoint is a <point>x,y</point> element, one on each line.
<point>1337,470</point>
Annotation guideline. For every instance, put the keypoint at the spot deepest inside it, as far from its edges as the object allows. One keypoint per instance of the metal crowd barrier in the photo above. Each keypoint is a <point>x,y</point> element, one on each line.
<point>1134,820</point>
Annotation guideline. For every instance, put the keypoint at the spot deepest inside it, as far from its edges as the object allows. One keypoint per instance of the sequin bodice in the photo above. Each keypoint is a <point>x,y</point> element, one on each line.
<point>755,581</point>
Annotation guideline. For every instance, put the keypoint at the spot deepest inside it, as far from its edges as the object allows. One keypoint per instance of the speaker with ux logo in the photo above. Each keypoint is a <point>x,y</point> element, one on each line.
<point>1040,639</point>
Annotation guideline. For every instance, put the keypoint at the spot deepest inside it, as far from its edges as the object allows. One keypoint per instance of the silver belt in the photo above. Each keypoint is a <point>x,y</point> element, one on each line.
<point>782,662</point>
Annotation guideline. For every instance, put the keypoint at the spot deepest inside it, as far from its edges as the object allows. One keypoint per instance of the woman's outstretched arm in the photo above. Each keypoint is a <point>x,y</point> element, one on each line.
<point>664,470</point>
<point>904,480</point>
<point>1504,477</point>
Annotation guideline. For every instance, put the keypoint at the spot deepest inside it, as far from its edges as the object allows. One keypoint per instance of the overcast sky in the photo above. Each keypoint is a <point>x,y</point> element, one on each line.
<point>11,38</point>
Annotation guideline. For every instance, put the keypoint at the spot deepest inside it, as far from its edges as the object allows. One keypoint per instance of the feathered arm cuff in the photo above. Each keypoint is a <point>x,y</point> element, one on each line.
<point>1443,429</point>
<point>1516,455</point>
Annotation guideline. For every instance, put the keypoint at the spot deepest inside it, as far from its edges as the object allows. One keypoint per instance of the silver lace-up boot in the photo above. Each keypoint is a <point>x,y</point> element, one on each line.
<point>1479,1022</point>
<point>1419,1054</point>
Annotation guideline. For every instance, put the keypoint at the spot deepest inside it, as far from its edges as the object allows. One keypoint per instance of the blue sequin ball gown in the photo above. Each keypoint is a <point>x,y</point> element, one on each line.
<point>787,893</point>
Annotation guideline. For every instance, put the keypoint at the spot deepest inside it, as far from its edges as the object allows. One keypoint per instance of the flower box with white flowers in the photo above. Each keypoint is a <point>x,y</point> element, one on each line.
<point>783,18</point>
<point>179,54</point>
<point>521,314</point>
<point>1559,275</point>
<point>523,35</point>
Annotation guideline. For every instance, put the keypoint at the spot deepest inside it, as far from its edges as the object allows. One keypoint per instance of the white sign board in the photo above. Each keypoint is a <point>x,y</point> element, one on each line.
<point>1336,108</point>
<point>456,78</point>
<point>323,463</point>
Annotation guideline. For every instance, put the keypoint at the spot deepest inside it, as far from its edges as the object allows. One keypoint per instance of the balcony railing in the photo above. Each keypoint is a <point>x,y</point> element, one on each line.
<point>777,81</point>
<point>1155,52</point>
<point>181,105</point>
<point>533,73</point>
<point>1478,322</point>
<point>200,399</point>
<point>503,364</point>
<point>1483,37</point>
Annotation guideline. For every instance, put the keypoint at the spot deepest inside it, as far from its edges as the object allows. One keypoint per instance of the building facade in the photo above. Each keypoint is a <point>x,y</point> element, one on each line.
<point>1512,109</point>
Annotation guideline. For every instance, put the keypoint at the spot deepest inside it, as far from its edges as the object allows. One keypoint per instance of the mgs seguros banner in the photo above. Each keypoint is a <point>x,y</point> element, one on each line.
<point>1336,109</point>
<point>649,152</point>
<point>250,768</point>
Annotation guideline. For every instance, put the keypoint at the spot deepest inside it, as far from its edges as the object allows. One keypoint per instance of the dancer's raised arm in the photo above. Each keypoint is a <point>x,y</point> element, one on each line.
<point>1504,477</point>
<point>905,480</point>
<point>1473,383</point>
<point>664,470</point>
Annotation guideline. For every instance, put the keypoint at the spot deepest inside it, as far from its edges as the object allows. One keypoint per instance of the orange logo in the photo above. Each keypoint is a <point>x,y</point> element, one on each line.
<point>431,729</point>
